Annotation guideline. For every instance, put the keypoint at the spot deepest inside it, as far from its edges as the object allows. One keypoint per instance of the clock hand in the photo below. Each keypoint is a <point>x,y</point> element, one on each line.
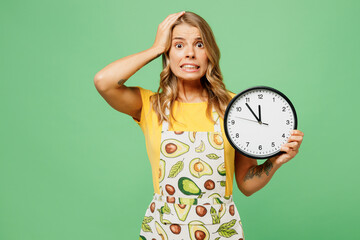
<point>252,120</point>
<point>259,113</point>
<point>252,112</point>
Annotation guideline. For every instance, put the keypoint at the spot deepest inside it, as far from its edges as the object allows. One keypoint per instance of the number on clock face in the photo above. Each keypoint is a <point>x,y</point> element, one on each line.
<point>259,120</point>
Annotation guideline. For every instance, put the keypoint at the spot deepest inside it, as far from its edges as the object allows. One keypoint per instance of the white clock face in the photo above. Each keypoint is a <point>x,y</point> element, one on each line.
<point>258,121</point>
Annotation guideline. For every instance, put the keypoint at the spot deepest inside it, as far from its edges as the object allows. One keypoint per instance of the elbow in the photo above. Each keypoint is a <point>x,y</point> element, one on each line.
<point>97,78</point>
<point>98,82</point>
<point>246,193</point>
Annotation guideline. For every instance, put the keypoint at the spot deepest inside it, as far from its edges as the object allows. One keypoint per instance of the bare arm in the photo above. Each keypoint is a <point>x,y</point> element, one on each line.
<point>117,73</point>
<point>110,80</point>
<point>251,177</point>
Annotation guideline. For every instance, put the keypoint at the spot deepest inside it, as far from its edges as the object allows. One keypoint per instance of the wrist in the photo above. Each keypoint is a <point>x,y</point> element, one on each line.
<point>158,50</point>
<point>275,164</point>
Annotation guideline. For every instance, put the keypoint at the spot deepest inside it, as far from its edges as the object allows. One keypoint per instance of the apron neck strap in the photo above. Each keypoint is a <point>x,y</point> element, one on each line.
<point>215,115</point>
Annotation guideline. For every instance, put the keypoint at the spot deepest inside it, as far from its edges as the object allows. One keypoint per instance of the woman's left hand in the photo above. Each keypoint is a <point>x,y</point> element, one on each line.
<point>291,148</point>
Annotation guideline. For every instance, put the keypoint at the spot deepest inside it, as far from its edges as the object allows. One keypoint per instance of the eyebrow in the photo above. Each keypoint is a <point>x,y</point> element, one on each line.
<point>198,38</point>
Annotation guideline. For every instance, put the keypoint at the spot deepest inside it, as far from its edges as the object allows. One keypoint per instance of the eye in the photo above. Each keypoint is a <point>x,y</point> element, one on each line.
<point>177,44</point>
<point>201,44</point>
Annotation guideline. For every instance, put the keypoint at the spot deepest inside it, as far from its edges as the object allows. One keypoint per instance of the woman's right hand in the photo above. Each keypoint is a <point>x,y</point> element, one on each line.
<point>163,31</point>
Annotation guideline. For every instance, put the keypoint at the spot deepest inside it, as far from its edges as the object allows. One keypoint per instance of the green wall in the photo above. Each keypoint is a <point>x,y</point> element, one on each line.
<point>72,167</point>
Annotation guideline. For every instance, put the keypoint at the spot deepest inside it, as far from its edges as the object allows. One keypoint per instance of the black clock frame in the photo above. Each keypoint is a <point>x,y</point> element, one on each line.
<point>236,97</point>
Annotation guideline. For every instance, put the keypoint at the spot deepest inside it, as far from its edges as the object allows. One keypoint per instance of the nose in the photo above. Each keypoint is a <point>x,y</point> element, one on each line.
<point>190,53</point>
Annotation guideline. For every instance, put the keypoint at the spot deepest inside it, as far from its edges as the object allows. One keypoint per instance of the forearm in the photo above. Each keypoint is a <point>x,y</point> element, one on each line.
<point>258,176</point>
<point>116,73</point>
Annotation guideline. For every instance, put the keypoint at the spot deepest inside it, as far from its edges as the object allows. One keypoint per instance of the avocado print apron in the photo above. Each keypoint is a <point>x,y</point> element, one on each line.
<point>192,203</point>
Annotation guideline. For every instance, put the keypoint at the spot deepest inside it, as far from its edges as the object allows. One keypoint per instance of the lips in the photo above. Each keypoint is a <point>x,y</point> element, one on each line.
<point>190,64</point>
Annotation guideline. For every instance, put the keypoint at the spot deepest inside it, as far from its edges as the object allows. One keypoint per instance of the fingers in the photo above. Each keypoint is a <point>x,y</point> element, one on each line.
<point>296,136</point>
<point>171,18</point>
<point>163,31</point>
<point>169,21</point>
<point>288,150</point>
<point>291,148</point>
<point>176,14</point>
<point>291,145</point>
<point>297,132</point>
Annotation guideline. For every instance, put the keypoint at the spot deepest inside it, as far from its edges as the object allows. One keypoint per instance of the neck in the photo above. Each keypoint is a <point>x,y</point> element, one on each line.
<point>191,91</point>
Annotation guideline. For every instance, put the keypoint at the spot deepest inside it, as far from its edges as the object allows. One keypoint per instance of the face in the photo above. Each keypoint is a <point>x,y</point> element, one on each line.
<point>187,49</point>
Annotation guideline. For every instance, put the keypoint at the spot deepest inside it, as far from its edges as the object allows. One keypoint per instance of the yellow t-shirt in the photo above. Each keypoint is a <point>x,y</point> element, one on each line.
<point>193,115</point>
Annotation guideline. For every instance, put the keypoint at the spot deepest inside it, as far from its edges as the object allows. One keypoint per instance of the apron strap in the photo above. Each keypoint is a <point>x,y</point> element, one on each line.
<point>165,124</point>
<point>216,117</point>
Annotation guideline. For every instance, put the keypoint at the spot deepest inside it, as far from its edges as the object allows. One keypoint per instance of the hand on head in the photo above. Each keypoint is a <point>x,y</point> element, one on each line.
<point>163,31</point>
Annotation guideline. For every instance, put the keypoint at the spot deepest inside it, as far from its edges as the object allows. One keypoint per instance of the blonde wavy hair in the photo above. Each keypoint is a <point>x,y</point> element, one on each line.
<point>212,81</point>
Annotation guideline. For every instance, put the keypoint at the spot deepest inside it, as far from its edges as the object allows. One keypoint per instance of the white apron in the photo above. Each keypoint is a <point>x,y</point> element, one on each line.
<point>192,203</point>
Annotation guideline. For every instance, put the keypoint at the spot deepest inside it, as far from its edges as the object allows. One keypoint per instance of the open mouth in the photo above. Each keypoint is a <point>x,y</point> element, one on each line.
<point>190,66</point>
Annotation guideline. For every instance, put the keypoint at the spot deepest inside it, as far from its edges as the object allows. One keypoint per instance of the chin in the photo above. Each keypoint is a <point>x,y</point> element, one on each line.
<point>190,78</point>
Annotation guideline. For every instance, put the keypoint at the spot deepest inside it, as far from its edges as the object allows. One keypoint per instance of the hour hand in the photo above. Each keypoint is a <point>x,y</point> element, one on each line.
<point>252,112</point>
<point>259,113</point>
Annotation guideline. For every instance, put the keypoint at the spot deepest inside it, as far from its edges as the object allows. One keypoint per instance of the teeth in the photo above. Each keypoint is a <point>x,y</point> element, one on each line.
<point>189,66</point>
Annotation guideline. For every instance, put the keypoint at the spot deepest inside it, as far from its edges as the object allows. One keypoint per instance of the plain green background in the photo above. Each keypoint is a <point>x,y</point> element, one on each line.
<point>72,167</point>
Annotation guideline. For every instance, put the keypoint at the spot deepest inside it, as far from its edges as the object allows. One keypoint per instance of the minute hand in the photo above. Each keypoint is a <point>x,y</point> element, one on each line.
<point>252,112</point>
<point>252,120</point>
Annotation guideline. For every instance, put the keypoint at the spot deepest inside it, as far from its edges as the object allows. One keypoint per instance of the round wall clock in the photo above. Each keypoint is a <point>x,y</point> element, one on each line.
<point>258,121</point>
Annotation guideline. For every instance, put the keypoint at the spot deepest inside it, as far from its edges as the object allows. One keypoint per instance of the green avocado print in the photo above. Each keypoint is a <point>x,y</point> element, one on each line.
<point>216,140</point>
<point>161,170</point>
<point>216,198</point>
<point>221,169</point>
<point>215,115</point>
<point>222,210</point>
<point>173,148</point>
<point>197,229</point>
<point>182,211</point>
<point>161,231</point>
<point>188,187</point>
<point>188,201</point>
<point>200,148</point>
<point>192,136</point>
<point>199,168</point>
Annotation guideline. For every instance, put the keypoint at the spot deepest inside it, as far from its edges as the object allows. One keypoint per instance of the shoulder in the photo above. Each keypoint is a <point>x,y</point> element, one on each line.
<point>145,109</point>
<point>231,93</point>
<point>145,94</point>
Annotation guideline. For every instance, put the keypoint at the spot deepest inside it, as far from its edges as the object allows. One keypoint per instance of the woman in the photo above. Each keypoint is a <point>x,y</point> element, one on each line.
<point>192,161</point>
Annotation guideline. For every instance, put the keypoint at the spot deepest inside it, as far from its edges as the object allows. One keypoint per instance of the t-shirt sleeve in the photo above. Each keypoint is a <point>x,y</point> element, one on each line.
<point>231,94</point>
<point>145,98</point>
